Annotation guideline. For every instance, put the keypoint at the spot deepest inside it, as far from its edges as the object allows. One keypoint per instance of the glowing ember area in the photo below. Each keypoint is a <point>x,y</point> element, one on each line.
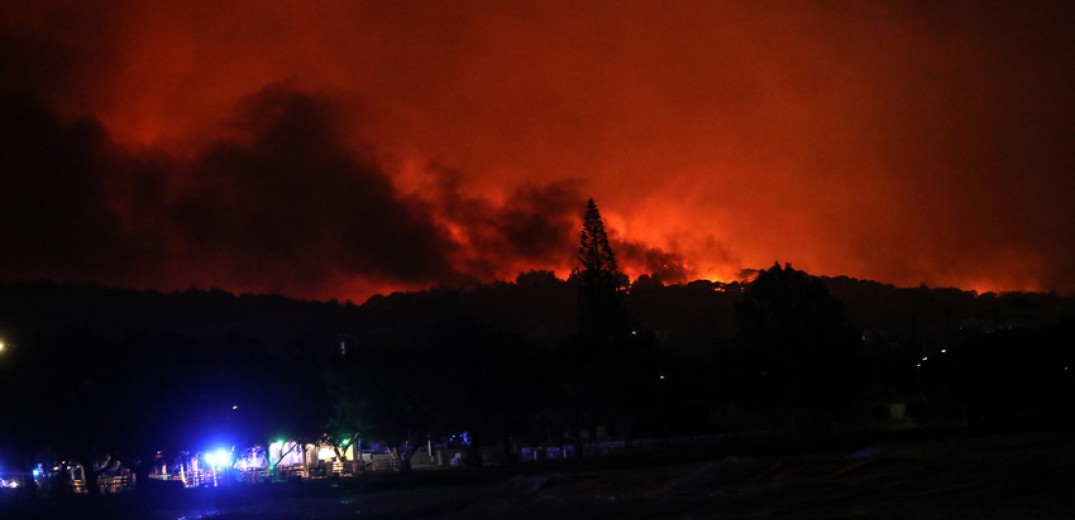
<point>339,149</point>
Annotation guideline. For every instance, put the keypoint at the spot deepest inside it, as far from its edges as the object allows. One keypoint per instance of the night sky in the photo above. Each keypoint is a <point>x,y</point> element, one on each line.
<point>338,149</point>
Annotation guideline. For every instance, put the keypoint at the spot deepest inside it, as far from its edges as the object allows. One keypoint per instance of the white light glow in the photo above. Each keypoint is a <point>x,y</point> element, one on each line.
<point>219,458</point>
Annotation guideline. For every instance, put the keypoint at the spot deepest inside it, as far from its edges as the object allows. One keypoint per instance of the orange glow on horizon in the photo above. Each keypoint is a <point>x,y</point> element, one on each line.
<point>858,139</point>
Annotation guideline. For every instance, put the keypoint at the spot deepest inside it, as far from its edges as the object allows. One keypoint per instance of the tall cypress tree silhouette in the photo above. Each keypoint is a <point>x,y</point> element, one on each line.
<point>613,363</point>
<point>601,285</point>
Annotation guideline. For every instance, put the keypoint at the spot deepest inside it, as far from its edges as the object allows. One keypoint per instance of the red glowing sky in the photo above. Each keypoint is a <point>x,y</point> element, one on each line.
<point>334,149</point>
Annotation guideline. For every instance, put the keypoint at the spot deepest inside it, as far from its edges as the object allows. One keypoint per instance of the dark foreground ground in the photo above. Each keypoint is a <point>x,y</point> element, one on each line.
<point>1027,475</point>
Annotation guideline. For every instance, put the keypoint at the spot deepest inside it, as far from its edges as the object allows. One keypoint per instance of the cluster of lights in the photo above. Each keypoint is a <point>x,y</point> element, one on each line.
<point>462,437</point>
<point>926,358</point>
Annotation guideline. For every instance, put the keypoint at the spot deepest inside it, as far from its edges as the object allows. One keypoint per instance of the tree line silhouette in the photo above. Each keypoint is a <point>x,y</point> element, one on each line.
<point>98,375</point>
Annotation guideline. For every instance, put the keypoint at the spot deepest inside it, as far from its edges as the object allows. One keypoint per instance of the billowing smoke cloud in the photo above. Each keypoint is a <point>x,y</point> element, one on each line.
<point>904,142</point>
<point>668,267</point>
<point>535,223</point>
<point>290,202</point>
<point>55,206</point>
<point>284,205</point>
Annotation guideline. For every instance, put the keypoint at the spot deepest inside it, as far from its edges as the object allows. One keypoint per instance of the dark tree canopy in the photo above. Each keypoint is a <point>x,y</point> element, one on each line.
<point>800,351</point>
<point>784,306</point>
<point>93,374</point>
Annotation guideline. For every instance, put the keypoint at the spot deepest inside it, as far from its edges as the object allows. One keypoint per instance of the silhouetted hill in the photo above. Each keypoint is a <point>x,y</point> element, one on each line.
<point>537,307</point>
<point>32,308</point>
<point>925,314</point>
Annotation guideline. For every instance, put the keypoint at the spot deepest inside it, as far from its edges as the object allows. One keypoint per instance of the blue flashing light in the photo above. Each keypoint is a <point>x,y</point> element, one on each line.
<point>37,472</point>
<point>218,458</point>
